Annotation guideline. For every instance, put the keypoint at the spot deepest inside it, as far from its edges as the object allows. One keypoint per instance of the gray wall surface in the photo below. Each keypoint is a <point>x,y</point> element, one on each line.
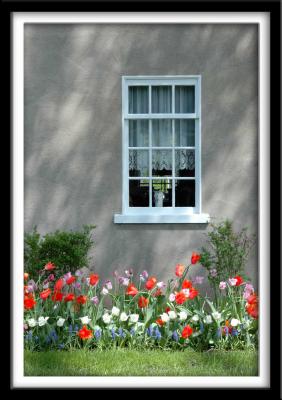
<point>73,134</point>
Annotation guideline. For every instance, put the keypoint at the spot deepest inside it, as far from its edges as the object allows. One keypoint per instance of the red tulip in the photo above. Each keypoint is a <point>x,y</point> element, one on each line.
<point>187,331</point>
<point>151,283</point>
<point>252,299</point>
<point>70,280</point>
<point>252,310</point>
<point>29,303</point>
<point>131,290</point>
<point>160,322</point>
<point>57,296</point>
<point>58,285</point>
<point>143,302</point>
<point>49,266</point>
<point>186,284</point>
<point>239,280</point>
<point>179,269</point>
<point>252,306</point>
<point>93,279</point>
<point>85,333</point>
<point>69,297</point>
<point>81,299</point>
<point>45,293</point>
<point>195,258</point>
<point>193,293</point>
<point>180,298</point>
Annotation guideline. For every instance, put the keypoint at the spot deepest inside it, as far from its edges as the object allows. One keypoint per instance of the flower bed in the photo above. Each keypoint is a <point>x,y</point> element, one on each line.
<point>74,311</point>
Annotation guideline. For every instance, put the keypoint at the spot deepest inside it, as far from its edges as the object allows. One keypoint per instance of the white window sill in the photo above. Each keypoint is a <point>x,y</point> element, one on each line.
<point>161,219</point>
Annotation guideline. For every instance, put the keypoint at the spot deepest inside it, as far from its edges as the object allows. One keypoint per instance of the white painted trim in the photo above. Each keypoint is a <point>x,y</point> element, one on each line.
<point>166,212</point>
<point>161,219</point>
<point>161,116</point>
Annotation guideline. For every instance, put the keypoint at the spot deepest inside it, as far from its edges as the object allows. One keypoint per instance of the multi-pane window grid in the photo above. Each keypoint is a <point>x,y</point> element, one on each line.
<point>161,125</point>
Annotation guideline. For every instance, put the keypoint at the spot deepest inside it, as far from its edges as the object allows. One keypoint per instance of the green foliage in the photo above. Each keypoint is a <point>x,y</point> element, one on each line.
<point>68,250</point>
<point>226,252</point>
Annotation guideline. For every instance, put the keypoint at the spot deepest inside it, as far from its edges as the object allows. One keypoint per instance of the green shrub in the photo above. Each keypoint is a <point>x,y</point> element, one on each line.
<point>68,250</point>
<point>226,252</point>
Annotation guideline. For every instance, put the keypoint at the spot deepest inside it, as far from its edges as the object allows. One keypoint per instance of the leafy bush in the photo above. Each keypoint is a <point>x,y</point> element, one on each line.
<point>226,252</point>
<point>68,250</point>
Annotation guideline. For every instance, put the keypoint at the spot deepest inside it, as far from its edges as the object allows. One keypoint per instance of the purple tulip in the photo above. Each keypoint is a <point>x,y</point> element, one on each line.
<point>123,281</point>
<point>145,274</point>
<point>94,300</point>
<point>109,285</point>
<point>31,286</point>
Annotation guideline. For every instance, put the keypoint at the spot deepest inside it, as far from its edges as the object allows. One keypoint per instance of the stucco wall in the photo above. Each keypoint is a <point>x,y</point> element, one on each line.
<point>73,132</point>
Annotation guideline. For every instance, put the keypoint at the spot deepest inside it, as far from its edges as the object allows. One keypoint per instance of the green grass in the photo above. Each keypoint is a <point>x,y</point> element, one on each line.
<point>136,363</point>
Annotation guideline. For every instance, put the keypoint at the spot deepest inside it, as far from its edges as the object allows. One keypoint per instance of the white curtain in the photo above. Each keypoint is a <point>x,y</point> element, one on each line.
<point>161,99</point>
<point>138,100</point>
<point>161,129</point>
<point>184,99</point>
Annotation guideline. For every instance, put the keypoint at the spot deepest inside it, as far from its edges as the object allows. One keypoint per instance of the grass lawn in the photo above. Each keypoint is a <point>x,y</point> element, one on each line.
<point>136,363</point>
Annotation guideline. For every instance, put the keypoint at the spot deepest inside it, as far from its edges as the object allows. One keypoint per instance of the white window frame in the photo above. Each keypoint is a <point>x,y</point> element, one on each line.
<point>161,214</point>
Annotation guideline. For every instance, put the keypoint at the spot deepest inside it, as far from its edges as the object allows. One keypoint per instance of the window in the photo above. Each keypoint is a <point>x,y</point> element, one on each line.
<point>161,120</point>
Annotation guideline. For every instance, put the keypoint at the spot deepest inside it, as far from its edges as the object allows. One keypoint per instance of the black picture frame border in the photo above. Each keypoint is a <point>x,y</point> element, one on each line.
<point>274,9</point>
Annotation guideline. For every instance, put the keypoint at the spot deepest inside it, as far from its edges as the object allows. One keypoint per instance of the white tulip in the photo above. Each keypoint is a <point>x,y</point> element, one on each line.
<point>216,315</point>
<point>172,315</point>
<point>195,318</point>
<point>123,316</point>
<point>133,317</point>
<point>183,315</point>
<point>31,322</point>
<point>208,319</point>
<point>42,321</point>
<point>60,321</point>
<point>85,320</point>
<point>171,297</point>
<point>164,317</point>
<point>107,318</point>
<point>104,291</point>
<point>115,311</point>
<point>234,322</point>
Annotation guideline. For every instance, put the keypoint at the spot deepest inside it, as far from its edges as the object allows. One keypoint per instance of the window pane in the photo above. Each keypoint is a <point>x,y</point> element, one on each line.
<point>184,193</point>
<point>185,162</point>
<point>161,99</point>
<point>184,99</point>
<point>138,162</point>
<point>138,133</point>
<point>162,193</point>
<point>161,162</point>
<point>161,132</point>
<point>139,193</point>
<point>138,102</point>
<point>184,132</point>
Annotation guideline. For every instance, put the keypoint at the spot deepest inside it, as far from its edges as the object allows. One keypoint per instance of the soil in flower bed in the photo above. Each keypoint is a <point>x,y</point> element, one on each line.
<point>136,363</point>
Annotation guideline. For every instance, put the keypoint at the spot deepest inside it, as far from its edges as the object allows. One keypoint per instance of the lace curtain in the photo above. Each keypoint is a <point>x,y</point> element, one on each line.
<point>161,129</point>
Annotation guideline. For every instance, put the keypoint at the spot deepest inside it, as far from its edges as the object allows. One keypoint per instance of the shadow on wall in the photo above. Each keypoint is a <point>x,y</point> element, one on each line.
<point>73,130</point>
